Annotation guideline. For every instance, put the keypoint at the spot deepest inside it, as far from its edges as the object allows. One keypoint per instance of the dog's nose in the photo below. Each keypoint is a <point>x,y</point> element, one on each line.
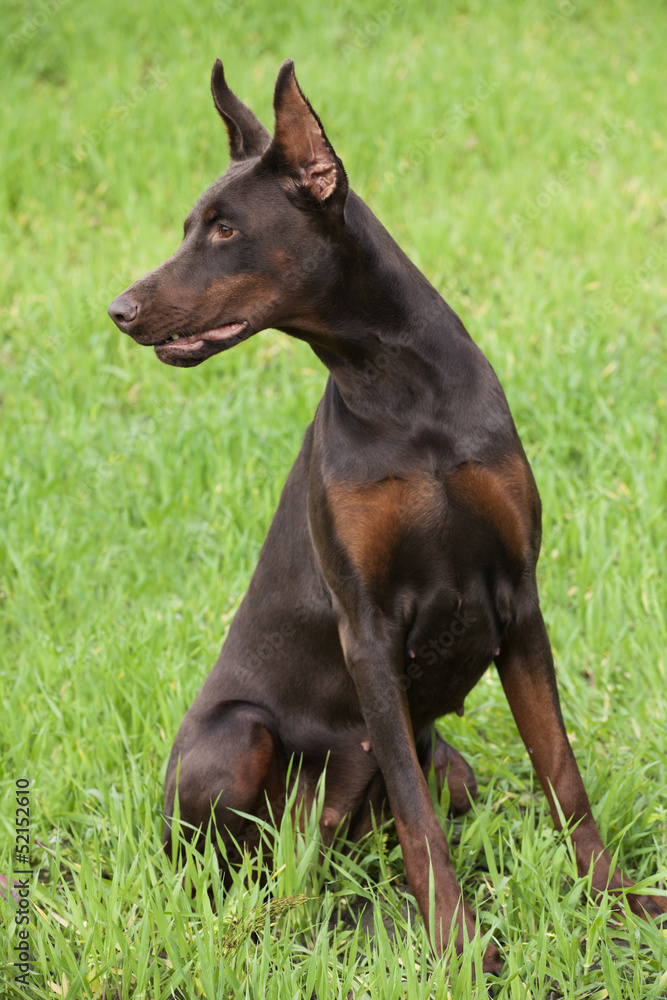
<point>123,311</point>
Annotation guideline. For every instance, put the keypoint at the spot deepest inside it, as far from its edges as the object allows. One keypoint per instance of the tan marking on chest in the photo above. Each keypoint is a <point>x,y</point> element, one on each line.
<point>370,518</point>
<point>504,496</point>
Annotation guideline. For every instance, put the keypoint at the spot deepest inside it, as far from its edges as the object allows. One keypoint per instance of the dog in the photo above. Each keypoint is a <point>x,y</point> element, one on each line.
<point>400,563</point>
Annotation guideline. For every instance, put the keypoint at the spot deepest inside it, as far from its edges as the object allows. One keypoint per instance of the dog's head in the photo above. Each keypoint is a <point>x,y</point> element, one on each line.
<point>258,246</point>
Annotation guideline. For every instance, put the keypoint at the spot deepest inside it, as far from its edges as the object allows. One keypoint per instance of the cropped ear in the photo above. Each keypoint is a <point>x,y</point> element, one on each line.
<point>247,135</point>
<point>300,153</point>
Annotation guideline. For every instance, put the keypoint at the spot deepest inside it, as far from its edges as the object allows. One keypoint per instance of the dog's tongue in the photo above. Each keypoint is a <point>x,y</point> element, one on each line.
<point>222,332</point>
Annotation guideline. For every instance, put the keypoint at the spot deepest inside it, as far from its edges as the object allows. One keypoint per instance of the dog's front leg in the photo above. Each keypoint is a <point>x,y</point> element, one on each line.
<point>374,656</point>
<point>526,669</point>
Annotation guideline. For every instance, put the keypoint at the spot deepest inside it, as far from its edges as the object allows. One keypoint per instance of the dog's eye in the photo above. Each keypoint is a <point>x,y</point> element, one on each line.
<point>223,232</point>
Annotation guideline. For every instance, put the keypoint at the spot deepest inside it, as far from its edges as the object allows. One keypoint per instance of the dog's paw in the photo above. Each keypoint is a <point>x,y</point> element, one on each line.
<point>492,963</point>
<point>454,770</point>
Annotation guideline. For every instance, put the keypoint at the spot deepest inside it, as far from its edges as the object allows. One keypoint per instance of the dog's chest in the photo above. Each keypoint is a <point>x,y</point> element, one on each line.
<point>413,529</point>
<point>372,521</point>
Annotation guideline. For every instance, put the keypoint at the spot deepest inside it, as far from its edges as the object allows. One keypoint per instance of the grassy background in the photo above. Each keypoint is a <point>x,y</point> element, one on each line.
<point>517,151</point>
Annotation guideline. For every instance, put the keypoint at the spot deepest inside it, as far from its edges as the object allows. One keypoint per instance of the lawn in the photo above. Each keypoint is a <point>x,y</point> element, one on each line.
<point>518,153</point>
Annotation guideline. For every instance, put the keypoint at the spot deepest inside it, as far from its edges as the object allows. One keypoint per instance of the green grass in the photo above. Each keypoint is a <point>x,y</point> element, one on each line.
<point>137,496</point>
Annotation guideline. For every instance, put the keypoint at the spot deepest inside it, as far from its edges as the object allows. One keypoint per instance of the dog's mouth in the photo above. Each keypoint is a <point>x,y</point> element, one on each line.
<point>187,350</point>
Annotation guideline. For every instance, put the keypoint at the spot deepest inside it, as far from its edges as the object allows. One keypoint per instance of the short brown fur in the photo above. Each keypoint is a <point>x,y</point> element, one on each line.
<point>369,517</point>
<point>504,496</point>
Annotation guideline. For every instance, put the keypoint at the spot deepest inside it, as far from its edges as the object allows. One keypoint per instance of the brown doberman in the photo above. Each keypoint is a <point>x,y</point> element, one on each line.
<point>401,560</point>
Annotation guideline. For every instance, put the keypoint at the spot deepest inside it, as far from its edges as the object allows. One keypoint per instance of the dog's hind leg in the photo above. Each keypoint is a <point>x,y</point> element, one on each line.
<point>229,764</point>
<point>451,769</point>
<point>526,669</point>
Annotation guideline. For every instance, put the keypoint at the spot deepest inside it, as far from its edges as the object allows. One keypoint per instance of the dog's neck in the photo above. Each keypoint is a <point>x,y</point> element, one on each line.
<point>390,341</point>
